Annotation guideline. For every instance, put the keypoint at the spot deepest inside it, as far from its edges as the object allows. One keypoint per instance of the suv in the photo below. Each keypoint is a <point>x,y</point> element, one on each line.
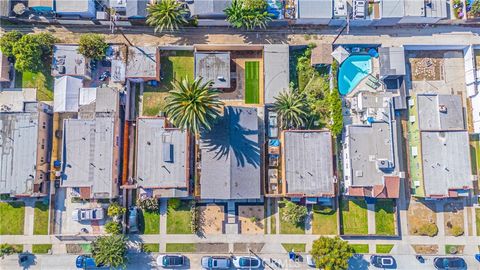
<point>169,261</point>
<point>387,262</point>
<point>216,262</point>
<point>88,214</point>
<point>133,220</point>
<point>449,263</point>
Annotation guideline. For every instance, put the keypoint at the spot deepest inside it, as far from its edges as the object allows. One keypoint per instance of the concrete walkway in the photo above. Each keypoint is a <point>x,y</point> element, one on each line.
<point>29,216</point>
<point>371,218</point>
<point>163,223</point>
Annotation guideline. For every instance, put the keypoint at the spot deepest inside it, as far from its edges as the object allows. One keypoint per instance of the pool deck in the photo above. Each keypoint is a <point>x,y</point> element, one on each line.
<point>362,86</point>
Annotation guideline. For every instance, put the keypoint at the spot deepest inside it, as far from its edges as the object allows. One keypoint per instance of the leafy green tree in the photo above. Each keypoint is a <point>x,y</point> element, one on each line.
<point>331,253</point>
<point>110,250</point>
<point>46,42</point>
<point>113,227</point>
<point>166,14</point>
<point>8,41</point>
<point>475,9</point>
<point>28,54</point>
<point>193,105</point>
<point>249,15</point>
<point>294,213</point>
<point>115,210</point>
<point>291,110</point>
<point>92,46</point>
<point>335,108</point>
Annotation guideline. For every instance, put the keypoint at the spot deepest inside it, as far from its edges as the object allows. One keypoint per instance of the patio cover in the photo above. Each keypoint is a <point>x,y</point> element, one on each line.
<point>340,54</point>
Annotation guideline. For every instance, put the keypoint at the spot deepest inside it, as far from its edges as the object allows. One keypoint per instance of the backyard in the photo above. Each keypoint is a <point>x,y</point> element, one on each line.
<point>179,218</point>
<point>384,217</point>
<point>151,222</point>
<point>252,83</point>
<point>40,223</point>
<point>41,80</point>
<point>324,220</point>
<point>174,65</point>
<point>13,225</point>
<point>287,227</point>
<point>354,217</point>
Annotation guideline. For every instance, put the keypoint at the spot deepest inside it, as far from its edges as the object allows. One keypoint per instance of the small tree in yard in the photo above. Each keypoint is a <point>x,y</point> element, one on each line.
<point>291,109</point>
<point>110,250</point>
<point>92,46</point>
<point>294,213</point>
<point>115,210</point>
<point>28,54</point>
<point>166,14</point>
<point>8,41</point>
<point>148,204</point>
<point>113,227</point>
<point>331,253</point>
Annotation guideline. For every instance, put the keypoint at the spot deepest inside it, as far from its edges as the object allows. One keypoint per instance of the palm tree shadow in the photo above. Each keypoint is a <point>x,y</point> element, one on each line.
<point>235,133</point>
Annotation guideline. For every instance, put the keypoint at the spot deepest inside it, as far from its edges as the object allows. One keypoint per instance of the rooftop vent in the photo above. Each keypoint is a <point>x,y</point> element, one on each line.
<point>442,108</point>
<point>384,164</point>
<point>168,152</point>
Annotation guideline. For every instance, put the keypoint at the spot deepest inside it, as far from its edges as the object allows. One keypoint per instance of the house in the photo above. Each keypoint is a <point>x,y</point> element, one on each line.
<point>410,12</point>
<point>143,64</point>
<point>442,152</point>
<point>230,156</point>
<point>91,148</point>
<point>132,9</point>
<point>276,69</point>
<point>214,66</point>
<point>77,8</point>
<point>209,9</point>
<point>25,149</point>
<point>67,61</point>
<point>162,165</point>
<point>4,68</point>
<point>307,164</point>
<point>314,11</point>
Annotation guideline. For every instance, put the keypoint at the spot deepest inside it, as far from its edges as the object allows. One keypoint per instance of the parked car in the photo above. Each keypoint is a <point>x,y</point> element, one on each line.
<point>449,263</point>
<point>310,261</point>
<point>209,262</point>
<point>86,262</point>
<point>246,262</point>
<point>386,262</point>
<point>133,220</point>
<point>171,261</point>
<point>272,125</point>
<point>81,214</point>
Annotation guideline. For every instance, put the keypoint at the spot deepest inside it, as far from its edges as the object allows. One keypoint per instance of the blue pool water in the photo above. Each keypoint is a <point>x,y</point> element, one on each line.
<point>352,71</point>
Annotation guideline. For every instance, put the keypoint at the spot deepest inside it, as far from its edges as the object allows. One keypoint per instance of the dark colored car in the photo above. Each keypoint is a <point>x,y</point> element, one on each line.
<point>386,262</point>
<point>450,263</point>
<point>171,261</point>
<point>86,262</point>
<point>133,220</point>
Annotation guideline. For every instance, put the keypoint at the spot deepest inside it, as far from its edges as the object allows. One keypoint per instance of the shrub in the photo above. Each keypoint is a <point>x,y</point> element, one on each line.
<point>195,221</point>
<point>115,210</point>
<point>113,227</point>
<point>92,46</point>
<point>7,249</point>
<point>457,230</point>
<point>148,204</point>
<point>294,213</point>
<point>428,229</point>
<point>331,253</point>
<point>174,203</point>
<point>110,250</point>
<point>8,41</point>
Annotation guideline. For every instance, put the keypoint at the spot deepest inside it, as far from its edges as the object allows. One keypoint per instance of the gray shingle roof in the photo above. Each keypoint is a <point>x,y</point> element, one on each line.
<point>230,153</point>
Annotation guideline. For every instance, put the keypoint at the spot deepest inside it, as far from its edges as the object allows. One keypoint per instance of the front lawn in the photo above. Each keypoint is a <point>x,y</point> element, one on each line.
<point>13,218</point>
<point>287,227</point>
<point>324,220</point>
<point>151,222</point>
<point>296,247</point>
<point>41,80</point>
<point>179,219</point>
<point>384,217</point>
<point>150,247</point>
<point>252,82</point>
<point>360,248</point>
<point>383,249</point>
<point>354,217</point>
<point>40,222</point>
<point>41,248</point>
<point>181,247</point>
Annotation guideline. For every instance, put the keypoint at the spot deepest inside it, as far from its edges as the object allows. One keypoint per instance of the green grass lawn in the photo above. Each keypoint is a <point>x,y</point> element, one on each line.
<point>454,249</point>
<point>383,249</point>
<point>297,247</point>
<point>13,225</point>
<point>174,66</point>
<point>40,222</point>
<point>86,248</point>
<point>324,220</point>
<point>41,80</point>
<point>151,223</point>
<point>41,248</point>
<point>288,228</point>
<point>384,217</point>
<point>150,247</point>
<point>360,248</point>
<point>273,225</point>
<point>179,220</point>
<point>354,216</point>
<point>181,247</point>
<point>477,219</point>
<point>252,83</point>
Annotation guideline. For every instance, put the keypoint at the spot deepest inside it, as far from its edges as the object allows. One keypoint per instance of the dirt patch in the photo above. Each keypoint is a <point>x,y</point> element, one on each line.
<point>252,219</point>
<point>425,249</point>
<point>453,218</point>
<point>212,247</point>
<point>420,213</point>
<point>212,217</point>
<point>245,247</point>
<point>427,65</point>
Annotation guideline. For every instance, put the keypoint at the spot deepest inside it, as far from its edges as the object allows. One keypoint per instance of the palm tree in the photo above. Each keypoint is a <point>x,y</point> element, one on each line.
<point>166,14</point>
<point>291,110</point>
<point>193,105</point>
<point>110,250</point>
<point>239,15</point>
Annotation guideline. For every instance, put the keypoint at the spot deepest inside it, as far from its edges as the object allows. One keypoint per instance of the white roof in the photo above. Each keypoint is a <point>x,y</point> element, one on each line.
<point>67,94</point>
<point>340,54</point>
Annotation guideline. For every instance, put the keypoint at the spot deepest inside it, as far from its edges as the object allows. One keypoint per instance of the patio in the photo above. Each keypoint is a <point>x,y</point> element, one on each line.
<point>212,218</point>
<point>251,219</point>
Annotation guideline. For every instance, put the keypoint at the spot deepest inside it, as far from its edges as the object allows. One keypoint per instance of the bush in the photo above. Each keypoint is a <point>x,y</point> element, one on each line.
<point>331,253</point>
<point>92,46</point>
<point>457,230</point>
<point>174,203</point>
<point>294,213</point>
<point>110,250</point>
<point>113,227</point>
<point>115,210</point>
<point>195,222</point>
<point>148,204</point>
<point>8,41</point>
<point>7,249</point>
<point>428,229</point>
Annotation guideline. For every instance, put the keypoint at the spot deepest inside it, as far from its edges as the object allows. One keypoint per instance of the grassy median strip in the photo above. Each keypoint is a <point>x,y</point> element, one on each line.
<point>151,247</point>
<point>41,248</point>
<point>296,247</point>
<point>360,248</point>
<point>181,247</point>
<point>383,249</point>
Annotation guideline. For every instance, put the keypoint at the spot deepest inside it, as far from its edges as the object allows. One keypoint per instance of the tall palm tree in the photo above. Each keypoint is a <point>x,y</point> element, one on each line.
<point>166,14</point>
<point>193,105</point>
<point>291,110</point>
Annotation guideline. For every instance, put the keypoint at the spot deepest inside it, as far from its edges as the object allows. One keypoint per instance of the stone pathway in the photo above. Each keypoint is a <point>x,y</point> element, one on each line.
<point>371,218</point>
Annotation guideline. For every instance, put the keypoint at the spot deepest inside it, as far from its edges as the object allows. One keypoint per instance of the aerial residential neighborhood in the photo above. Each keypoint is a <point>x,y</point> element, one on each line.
<point>239,134</point>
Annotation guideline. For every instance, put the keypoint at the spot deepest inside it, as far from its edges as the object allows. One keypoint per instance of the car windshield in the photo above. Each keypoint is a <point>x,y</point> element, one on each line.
<point>94,213</point>
<point>248,262</point>
<point>387,261</point>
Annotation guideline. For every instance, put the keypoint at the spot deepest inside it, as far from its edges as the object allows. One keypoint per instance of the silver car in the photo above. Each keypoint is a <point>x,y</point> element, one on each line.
<point>209,262</point>
<point>87,214</point>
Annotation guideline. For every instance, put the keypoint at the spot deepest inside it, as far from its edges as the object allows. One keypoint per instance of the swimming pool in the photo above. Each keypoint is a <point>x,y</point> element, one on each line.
<point>352,71</point>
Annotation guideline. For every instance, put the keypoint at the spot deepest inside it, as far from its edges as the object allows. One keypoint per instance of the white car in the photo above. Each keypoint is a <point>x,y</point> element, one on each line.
<point>246,262</point>
<point>88,214</point>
